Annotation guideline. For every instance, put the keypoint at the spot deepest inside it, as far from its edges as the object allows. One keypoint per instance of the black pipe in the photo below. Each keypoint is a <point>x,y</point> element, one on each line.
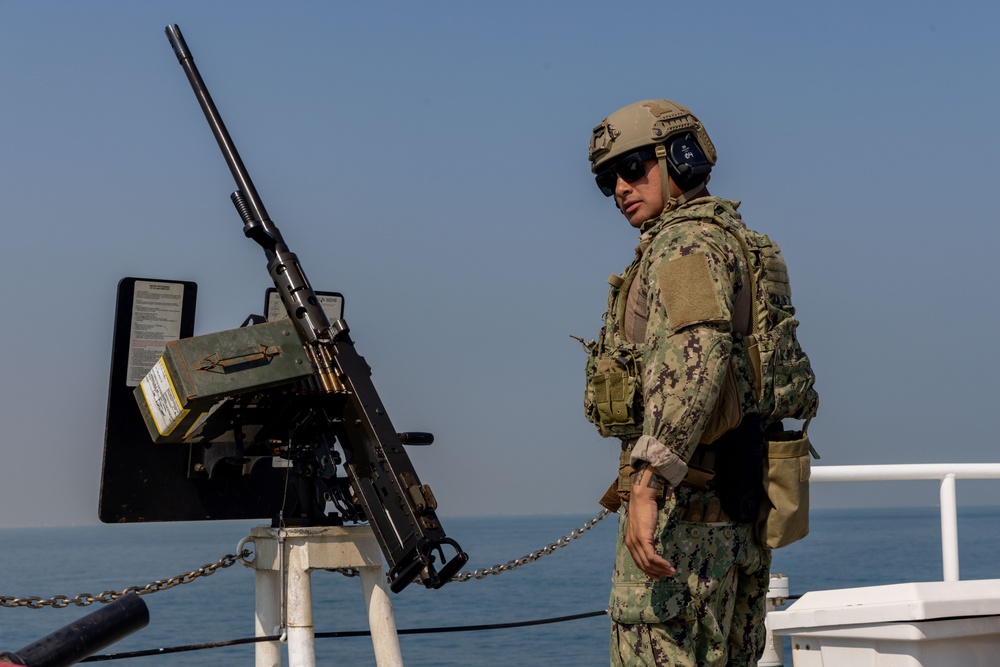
<point>85,636</point>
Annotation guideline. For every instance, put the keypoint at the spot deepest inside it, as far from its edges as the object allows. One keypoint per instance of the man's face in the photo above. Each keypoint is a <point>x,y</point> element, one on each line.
<point>642,199</point>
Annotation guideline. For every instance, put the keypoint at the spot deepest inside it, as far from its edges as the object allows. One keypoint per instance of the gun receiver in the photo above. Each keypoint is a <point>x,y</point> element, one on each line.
<point>343,404</point>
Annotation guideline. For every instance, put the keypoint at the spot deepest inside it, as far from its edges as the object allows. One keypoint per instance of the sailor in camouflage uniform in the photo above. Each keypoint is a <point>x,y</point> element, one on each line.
<point>668,376</point>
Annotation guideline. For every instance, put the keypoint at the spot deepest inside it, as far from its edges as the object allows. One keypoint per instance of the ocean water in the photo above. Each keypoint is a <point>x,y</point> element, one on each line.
<point>845,548</point>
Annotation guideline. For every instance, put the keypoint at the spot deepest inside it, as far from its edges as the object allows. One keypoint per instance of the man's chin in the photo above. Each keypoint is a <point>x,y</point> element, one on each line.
<point>637,219</point>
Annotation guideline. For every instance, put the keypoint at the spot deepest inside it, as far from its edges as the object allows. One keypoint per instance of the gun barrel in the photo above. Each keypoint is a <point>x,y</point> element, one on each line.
<point>229,152</point>
<point>298,296</point>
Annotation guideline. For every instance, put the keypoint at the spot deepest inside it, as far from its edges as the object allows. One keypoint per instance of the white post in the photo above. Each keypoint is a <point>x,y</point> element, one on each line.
<point>777,595</point>
<point>268,617</point>
<point>294,553</point>
<point>380,618</point>
<point>298,603</point>
<point>949,528</point>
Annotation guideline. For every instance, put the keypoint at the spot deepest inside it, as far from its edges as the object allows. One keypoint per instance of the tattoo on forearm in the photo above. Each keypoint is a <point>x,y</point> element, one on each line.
<point>637,471</point>
<point>654,482</point>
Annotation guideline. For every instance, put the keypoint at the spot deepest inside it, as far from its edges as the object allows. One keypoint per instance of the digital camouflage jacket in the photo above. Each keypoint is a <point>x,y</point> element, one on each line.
<point>658,372</point>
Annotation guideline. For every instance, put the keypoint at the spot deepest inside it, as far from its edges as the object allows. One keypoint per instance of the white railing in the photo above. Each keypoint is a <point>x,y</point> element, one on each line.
<point>947,473</point>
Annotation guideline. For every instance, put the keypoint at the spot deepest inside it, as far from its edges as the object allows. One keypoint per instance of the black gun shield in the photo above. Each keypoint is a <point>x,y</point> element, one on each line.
<point>142,481</point>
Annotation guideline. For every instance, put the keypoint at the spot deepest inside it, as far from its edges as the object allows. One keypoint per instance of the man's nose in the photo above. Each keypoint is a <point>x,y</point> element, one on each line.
<point>622,187</point>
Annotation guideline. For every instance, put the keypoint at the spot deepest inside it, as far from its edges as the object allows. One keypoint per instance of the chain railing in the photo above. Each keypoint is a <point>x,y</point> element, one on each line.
<point>482,573</point>
<point>86,599</point>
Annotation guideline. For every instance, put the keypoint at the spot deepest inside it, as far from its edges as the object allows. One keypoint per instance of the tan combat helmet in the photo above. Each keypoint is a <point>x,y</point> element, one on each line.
<point>655,125</point>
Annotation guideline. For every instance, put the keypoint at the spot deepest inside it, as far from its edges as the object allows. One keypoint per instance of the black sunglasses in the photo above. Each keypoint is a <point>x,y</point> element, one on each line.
<point>631,168</point>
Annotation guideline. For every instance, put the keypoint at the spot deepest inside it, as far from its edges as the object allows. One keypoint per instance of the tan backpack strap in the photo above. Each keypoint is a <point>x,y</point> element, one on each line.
<point>754,322</point>
<point>743,312</point>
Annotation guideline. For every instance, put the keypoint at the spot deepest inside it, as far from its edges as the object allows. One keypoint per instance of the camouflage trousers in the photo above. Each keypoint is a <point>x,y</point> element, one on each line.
<point>711,613</point>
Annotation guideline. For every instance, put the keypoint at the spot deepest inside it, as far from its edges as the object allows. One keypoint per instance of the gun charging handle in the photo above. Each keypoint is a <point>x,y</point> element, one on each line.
<point>416,438</point>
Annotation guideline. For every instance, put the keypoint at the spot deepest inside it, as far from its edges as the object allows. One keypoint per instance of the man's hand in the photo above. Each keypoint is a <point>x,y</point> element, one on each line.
<point>641,527</point>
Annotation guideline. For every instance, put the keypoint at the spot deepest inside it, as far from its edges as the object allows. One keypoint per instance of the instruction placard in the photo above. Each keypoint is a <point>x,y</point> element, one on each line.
<point>156,320</point>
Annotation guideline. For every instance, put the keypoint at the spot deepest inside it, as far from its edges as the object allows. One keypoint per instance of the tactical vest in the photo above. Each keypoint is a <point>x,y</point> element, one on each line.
<point>613,396</point>
<point>765,349</point>
<point>764,338</point>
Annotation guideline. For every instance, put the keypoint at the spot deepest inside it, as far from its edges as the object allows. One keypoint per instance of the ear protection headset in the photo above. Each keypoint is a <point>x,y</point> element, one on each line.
<point>687,163</point>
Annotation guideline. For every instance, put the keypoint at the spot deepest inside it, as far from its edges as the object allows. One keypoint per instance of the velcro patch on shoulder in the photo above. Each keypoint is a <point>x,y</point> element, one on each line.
<point>690,295</point>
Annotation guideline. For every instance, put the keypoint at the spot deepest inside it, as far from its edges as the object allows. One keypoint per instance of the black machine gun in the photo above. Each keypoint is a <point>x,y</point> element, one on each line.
<point>291,404</point>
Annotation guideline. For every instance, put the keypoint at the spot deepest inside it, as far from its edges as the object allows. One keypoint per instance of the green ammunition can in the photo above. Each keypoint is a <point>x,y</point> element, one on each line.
<point>196,374</point>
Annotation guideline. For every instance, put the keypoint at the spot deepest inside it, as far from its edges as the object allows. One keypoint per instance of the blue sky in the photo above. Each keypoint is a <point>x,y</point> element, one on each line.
<point>428,160</point>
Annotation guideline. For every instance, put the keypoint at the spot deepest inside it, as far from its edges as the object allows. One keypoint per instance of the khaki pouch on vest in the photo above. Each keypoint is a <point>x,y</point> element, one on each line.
<point>614,389</point>
<point>785,518</point>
